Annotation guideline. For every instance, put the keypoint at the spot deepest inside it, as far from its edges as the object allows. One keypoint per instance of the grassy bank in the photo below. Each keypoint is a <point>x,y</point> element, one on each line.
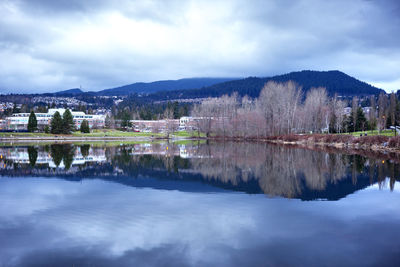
<point>373,133</point>
<point>115,133</point>
<point>9,135</point>
<point>377,142</point>
<point>101,133</point>
<point>188,134</point>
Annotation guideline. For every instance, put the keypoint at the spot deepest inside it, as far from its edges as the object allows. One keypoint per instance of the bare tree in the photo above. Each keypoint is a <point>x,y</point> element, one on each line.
<point>338,110</point>
<point>278,103</point>
<point>225,114</point>
<point>315,108</point>
<point>382,111</point>
<point>354,109</point>
<point>372,113</point>
<point>171,124</point>
<point>205,113</point>
<point>392,109</point>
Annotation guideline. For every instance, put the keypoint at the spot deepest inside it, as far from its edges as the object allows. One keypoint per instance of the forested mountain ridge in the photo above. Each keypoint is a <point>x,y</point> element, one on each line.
<point>166,85</point>
<point>335,82</point>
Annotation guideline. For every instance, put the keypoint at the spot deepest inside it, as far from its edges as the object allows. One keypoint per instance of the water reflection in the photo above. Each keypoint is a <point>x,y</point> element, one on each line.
<point>166,204</point>
<point>248,167</point>
<point>52,222</point>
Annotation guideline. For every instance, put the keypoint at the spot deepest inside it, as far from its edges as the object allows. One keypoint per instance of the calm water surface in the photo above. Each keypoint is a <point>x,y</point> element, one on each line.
<point>223,204</point>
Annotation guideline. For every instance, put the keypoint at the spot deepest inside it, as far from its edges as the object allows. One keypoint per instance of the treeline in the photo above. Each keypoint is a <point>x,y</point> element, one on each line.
<point>282,108</point>
<point>134,108</point>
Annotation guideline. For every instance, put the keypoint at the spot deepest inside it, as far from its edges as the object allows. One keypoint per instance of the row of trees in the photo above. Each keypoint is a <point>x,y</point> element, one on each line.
<point>133,108</point>
<point>278,110</point>
<point>62,125</point>
<point>282,108</point>
<point>59,124</point>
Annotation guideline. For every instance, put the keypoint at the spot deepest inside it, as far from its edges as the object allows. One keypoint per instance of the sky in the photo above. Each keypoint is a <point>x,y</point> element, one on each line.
<point>47,45</point>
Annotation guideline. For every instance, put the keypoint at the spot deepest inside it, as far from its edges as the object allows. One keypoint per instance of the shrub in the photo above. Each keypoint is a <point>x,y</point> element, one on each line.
<point>372,140</point>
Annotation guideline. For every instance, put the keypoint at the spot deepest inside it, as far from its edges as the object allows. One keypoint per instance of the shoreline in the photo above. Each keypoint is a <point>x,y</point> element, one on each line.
<point>80,138</point>
<point>94,139</point>
<point>340,142</point>
<point>381,144</point>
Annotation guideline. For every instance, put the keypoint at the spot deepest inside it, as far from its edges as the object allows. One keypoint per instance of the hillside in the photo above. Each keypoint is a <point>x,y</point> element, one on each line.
<point>74,91</point>
<point>334,81</point>
<point>167,85</point>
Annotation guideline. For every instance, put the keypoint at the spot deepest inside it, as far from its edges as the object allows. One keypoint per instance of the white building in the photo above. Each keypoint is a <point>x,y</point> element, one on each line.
<point>188,123</point>
<point>19,121</point>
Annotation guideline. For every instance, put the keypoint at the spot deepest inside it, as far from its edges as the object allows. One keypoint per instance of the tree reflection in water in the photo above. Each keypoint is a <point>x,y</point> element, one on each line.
<point>33,154</point>
<point>62,152</point>
<point>286,171</point>
<point>274,170</point>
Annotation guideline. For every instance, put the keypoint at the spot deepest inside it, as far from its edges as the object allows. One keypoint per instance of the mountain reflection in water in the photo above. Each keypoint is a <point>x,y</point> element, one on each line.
<point>247,167</point>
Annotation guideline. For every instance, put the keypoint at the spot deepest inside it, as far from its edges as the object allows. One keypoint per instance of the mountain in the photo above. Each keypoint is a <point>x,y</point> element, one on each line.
<point>74,91</point>
<point>167,85</point>
<point>334,81</point>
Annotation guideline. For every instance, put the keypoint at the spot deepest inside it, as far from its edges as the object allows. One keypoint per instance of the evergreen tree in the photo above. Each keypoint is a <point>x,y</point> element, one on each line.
<point>68,122</point>
<point>85,127</point>
<point>350,126</point>
<point>359,123</point>
<point>175,107</point>
<point>32,122</point>
<point>126,119</point>
<point>56,124</point>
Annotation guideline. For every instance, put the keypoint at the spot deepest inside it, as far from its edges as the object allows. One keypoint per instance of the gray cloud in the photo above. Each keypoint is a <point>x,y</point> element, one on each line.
<point>52,45</point>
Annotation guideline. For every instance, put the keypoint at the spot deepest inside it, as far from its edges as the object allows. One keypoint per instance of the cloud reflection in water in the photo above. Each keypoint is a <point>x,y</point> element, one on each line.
<point>44,222</point>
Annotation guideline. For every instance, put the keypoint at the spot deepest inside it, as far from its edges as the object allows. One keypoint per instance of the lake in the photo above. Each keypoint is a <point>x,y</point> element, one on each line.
<point>197,204</point>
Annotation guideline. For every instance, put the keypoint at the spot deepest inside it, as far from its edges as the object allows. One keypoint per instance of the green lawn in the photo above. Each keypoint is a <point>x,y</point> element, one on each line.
<point>104,133</point>
<point>24,134</point>
<point>374,132</point>
<point>188,134</point>
<point>115,133</point>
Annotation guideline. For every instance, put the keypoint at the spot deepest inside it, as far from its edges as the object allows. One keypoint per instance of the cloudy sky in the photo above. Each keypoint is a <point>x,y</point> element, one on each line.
<point>48,45</point>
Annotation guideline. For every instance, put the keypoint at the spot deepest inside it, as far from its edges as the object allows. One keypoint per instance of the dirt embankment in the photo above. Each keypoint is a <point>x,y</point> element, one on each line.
<point>377,143</point>
<point>371,143</point>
